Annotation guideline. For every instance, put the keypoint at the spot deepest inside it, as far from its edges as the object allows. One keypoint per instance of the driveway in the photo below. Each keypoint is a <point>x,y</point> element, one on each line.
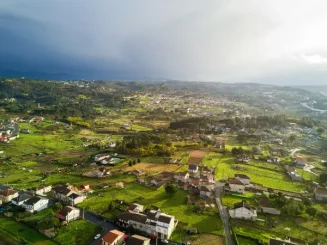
<point>225,219</point>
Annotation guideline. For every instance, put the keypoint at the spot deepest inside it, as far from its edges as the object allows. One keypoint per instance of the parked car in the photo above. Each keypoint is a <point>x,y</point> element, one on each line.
<point>97,236</point>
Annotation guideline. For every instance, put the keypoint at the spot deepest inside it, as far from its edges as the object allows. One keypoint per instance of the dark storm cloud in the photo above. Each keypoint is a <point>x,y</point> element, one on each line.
<point>263,41</point>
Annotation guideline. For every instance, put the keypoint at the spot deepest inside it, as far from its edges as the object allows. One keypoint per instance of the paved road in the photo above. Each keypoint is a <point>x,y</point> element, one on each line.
<point>107,226</point>
<point>224,217</point>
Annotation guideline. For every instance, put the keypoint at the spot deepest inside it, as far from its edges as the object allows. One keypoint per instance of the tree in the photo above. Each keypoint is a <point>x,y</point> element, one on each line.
<point>292,138</point>
<point>320,130</point>
<point>307,201</point>
<point>171,189</point>
<point>323,177</point>
<point>58,206</point>
<point>134,162</point>
<point>138,160</point>
<point>130,163</point>
<point>312,211</point>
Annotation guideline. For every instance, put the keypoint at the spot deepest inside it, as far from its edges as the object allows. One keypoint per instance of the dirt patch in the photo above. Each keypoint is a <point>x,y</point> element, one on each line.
<point>198,154</point>
<point>208,239</point>
<point>196,157</point>
<point>153,167</point>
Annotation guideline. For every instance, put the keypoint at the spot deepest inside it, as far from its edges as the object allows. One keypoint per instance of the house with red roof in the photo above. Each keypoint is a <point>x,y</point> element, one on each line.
<point>114,237</point>
<point>7,195</point>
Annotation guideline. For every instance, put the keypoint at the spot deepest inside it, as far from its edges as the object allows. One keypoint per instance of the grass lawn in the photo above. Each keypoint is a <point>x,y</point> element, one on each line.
<point>22,231</point>
<point>307,176</point>
<point>78,232</point>
<point>268,178</point>
<point>246,241</point>
<point>5,239</point>
<point>230,200</point>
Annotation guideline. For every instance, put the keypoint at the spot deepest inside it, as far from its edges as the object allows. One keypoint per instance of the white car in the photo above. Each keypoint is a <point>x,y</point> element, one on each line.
<point>97,236</point>
<point>164,241</point>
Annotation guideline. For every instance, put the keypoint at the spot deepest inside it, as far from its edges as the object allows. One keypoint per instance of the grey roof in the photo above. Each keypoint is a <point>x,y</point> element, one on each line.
<point>32,201</point>
<point>193,167</point>
<point>242,176</point>
<point>165,219</point>
<point>126,216</point>
<point>22,197</point>
<point>136,240</point>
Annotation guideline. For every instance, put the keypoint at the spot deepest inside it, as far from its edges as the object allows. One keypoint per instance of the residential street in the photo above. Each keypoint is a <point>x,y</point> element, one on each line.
<point>107,226</point>
<point>224,217</point>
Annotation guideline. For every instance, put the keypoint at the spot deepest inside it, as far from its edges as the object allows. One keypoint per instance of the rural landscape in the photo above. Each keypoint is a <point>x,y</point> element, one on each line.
<point>169,162</point>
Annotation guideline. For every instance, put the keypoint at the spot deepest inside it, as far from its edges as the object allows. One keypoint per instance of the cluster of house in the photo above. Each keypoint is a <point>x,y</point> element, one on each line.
<point>197,177</point>
<point>70,194</point>
<point>8,133</point>
<point>105,158</point>
<point>149,221</point>
<point>35,199</point>
<point>97,173</point>
<point>31,200</point>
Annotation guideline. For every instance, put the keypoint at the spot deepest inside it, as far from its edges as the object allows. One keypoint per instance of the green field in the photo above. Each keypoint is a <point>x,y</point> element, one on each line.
<point>79,232</point>
<point>21,231</point>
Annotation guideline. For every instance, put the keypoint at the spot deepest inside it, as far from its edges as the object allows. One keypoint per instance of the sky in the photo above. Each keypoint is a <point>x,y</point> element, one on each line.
<point>275,42</point>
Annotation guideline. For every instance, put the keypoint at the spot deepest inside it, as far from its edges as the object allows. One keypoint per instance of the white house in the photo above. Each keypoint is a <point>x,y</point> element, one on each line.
<point>7,195</point>
<point>41,190</point>
<point>291,171</point>
<point>113,237</point>
<point>321,194</point>
<point>68,194</point>
<point>154,222</point>
<point>236,185</point>
<point>182,177</point>
<point>18,201</point>
<point>100,157</point>
<point>35,204</point>
<point>193,168</point>
<point>69,213</point>
<point>243,211</point>
<point>243,178</point>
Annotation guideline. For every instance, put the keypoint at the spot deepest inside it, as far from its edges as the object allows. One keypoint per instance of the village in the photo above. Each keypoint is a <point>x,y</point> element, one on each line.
<point>174,168</point>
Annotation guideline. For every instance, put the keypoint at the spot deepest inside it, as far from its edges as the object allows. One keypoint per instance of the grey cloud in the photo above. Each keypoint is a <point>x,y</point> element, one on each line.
<point>264,41</point>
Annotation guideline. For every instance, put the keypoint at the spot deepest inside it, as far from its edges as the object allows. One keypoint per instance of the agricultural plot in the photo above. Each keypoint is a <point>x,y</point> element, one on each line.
<point>153,167</point>
<point>269,178</point>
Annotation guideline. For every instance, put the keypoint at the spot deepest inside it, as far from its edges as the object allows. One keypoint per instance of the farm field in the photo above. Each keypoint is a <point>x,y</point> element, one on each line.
<point>268,178</point>
<point>153,167</point>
